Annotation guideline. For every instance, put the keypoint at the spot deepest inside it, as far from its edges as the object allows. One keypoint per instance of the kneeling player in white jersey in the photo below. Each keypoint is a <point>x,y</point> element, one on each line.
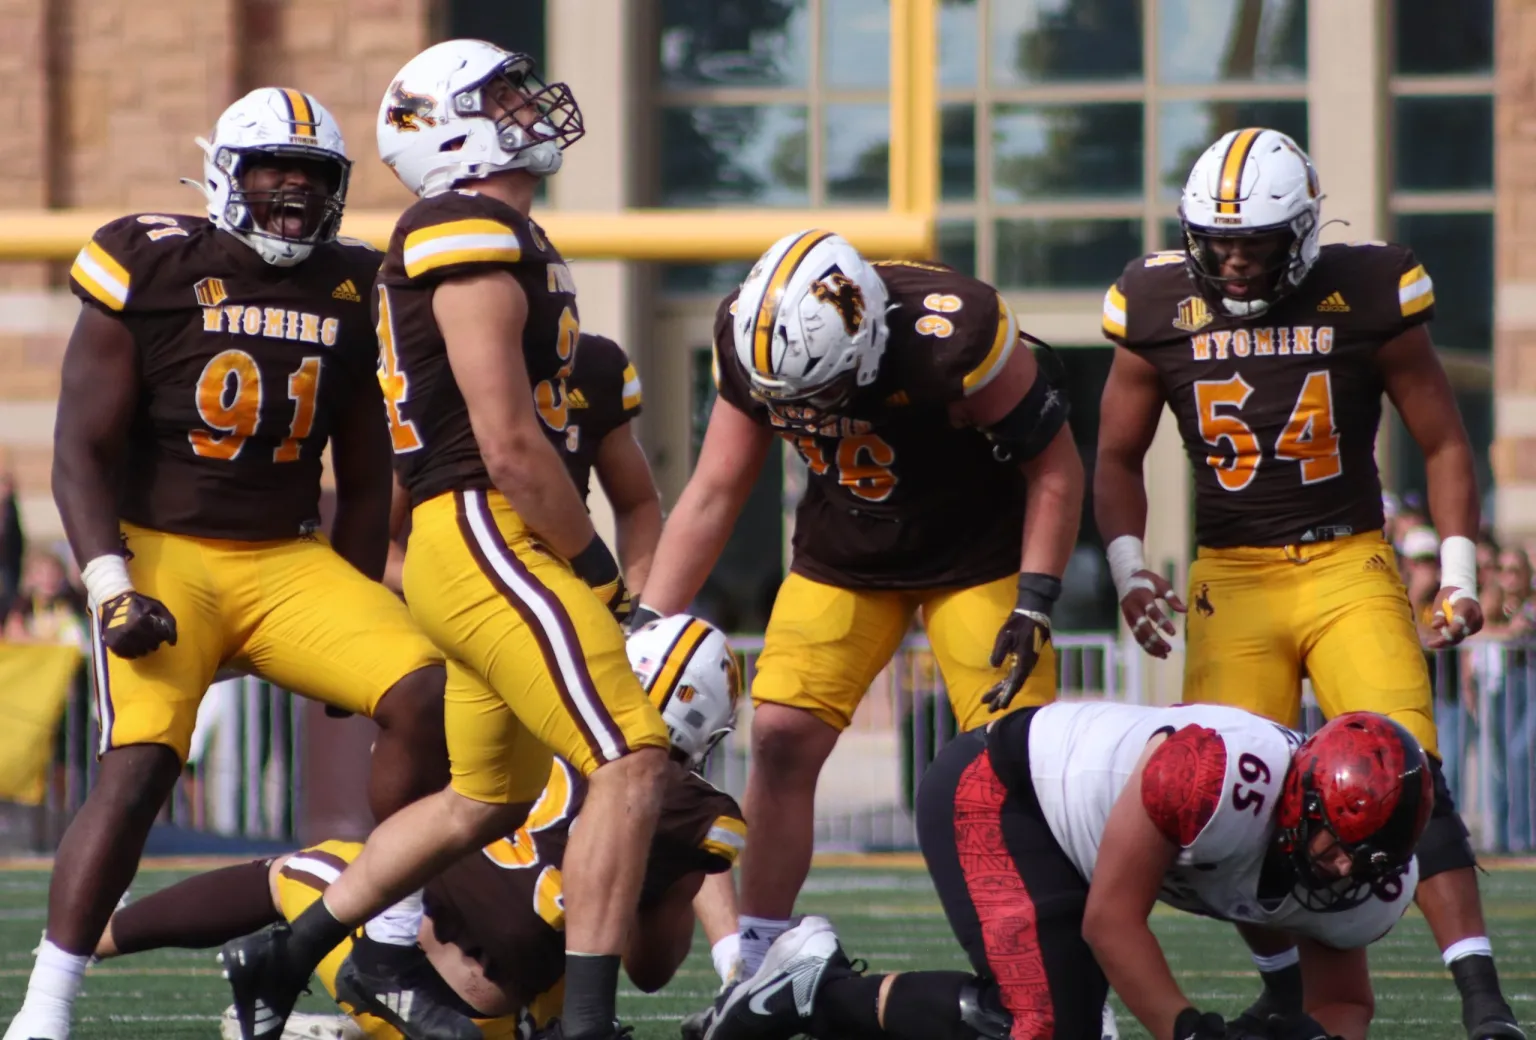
<point>1052,833</point>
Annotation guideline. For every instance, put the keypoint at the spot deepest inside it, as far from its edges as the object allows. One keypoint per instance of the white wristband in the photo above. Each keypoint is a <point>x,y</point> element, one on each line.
<point>1458,565</point>
<point>1126,557</point>
<point>105,577</point>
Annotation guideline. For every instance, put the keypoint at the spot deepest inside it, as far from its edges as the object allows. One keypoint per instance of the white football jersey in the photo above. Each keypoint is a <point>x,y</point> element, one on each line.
<point>1211,787</point>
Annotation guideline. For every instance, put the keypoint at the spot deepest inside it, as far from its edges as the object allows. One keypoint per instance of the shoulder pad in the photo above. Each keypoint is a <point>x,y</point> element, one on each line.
<point>348,242</point>
<point>103,271</point>
<point>1401,290</point>
<point>962,332</point>
<point>458,231</point>
<point>1163,258</point>
<point>1182,782</point>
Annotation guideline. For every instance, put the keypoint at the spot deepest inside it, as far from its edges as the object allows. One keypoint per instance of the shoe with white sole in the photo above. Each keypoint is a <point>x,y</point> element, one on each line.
<point>776,1003</point>
<point>301,1026</point>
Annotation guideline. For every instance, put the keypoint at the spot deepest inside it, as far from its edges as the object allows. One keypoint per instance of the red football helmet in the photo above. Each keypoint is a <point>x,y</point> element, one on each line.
<point>1366,780</point>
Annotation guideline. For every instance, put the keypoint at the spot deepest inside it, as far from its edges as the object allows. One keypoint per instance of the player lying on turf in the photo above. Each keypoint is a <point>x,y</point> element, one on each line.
<point>1052,833</point>
<point>493,925</point>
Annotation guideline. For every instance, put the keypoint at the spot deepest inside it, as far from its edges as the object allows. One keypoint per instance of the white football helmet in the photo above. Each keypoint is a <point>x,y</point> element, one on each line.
<point>1252,183</point>
<point>810,322</point>
<point>691,675</point>
<point>279,123</point>
<point>465,109</point>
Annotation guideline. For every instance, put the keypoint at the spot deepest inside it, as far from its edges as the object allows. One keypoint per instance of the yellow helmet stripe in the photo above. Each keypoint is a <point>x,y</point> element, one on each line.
<point>1227,199</point>
<point>768,306</point>
<point>664,682</point>
<point>300,113</point>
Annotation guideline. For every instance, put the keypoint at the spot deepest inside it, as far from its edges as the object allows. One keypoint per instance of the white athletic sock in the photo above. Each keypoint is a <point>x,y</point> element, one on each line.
<point>1477,946</point>
<point>727,957</point>
<point>757,934</point>
<point>397,925</point>
<point>50,995</point>
<point>1284,959</point>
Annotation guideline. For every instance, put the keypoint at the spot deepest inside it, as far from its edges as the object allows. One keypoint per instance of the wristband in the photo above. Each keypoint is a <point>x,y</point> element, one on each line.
<point>1037,592</point>
<point>105,577</point>
<point>1458,566</point>
<point>1126,556</point>
<point>595,565</point>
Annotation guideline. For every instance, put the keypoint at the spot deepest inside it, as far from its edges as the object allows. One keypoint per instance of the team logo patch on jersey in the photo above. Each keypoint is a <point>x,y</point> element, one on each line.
<point>346,291</point>
<point>210,292</point>
<point>1334,302</point>
<point>1194,314</point>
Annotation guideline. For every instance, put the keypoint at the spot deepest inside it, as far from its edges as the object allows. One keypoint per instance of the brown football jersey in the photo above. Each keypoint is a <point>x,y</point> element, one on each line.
<point>445,236</point>
<point>243,369</point>
<point>506,908</point>
<point>897,495</point>
<point>1279,412</point>
<point>601,394</point>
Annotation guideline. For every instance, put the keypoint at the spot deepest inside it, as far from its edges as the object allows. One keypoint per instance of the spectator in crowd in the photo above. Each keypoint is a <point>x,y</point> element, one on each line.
<point>11,541</point>
<point>1488,577</point>
<point>1420,551</point>
<point>1515,577</point>
<point>46,608</point>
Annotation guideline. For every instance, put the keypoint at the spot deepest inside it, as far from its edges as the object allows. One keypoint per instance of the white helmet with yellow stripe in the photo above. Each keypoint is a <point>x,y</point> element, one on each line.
<point>1256,191</point>
<point>810,322</point>
<point>283,223</point>
<point>691,675</point>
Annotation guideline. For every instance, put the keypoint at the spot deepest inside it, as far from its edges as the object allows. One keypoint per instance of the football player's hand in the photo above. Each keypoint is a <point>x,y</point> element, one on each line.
<point>596,566</point>
<point>1193,1024</point>
<point>133,624</point>
<point>1458,616</point>
<point>1023,637</point>
<point>1296,1026</point>
<point>642,616</point>
<point>1148,606</point>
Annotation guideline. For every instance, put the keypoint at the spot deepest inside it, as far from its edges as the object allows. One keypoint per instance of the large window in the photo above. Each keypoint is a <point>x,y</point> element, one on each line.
<point>1442,196</point>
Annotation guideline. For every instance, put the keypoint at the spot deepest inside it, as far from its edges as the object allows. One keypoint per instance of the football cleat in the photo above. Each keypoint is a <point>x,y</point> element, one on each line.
<point>417,1002</point>
<point>1497,1029</point>
<point>777,1002</point>
<point>696,1026</point>
<point>265,988</point>
<point>301,1026</point>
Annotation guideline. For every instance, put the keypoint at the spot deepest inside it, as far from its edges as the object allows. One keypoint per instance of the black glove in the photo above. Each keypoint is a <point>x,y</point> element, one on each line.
<point>642,616</point>
<point>596,566</point>
<point>1296,1026</point>
<point>1195,1025</point>
<point>1023,636</point>
<point>133,624</point>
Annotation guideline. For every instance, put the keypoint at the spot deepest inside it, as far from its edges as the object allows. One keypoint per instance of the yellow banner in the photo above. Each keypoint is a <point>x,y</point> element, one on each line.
<point>34,684</point>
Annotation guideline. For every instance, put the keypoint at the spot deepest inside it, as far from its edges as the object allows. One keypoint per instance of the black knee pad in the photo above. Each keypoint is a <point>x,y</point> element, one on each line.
<point>1445,845</point>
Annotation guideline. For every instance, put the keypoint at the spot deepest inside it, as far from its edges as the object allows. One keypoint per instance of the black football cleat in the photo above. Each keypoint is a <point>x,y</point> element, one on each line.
<point>1497,1028</point>
<point>265,987</point>
<point>777,1002</point>
<point>696,1026</point>
<point>556,1031</point>
<point>417,1001</point>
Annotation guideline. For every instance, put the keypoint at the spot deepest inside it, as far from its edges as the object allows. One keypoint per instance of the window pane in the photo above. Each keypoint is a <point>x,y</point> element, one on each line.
<point>1064,254</point>
<point>1036,41</point>
<point>856,43</point>
<point>711,279</point>
<point>957,245</point>
<point>737,43</point>
<point>1204,41</point>
<point>957,152</point>
<point>1056,151</point>
<point>516,25</point>
<point>1171,235</point>
<point>1434,37</point>
<point>727,155</point>
<point>856,148</point>
<point>1443,143</point>
<point>958,26</point>
<point>1187,128</point>
<point>1457,251</point>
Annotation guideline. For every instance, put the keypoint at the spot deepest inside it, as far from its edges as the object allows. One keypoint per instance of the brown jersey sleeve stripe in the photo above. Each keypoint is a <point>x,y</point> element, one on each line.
<point>1228,195</point>
<point>768,306</point>
<point>544,614</point>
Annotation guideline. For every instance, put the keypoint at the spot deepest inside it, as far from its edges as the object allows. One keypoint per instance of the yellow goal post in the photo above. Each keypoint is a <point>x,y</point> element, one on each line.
<point>906,228</point>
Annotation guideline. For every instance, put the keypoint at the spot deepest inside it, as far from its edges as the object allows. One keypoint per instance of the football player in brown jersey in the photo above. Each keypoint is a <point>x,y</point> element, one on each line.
<point>477,327</point>
<point>493,922</point>
<point>588,421</point>
<point>213,359</point>
<point>943,480</point>
<point>1273,353</point>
